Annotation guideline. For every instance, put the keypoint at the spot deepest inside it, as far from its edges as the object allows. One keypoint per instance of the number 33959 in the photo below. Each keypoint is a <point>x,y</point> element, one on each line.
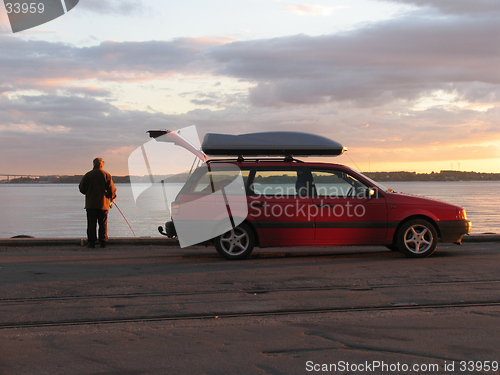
<point>24,7</point>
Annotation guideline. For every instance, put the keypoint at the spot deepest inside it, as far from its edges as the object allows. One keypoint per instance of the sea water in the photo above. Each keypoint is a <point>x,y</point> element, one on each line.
<point>57,210</point>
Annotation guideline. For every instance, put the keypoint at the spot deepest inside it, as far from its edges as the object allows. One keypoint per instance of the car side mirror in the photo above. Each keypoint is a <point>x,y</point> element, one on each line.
<point>365,192</point>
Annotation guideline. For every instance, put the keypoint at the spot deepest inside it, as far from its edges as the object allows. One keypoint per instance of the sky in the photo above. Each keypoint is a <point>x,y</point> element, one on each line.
<point>409,85</point>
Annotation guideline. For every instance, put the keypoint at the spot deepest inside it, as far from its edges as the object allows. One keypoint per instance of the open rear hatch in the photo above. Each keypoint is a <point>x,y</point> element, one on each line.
<point>175,137</point>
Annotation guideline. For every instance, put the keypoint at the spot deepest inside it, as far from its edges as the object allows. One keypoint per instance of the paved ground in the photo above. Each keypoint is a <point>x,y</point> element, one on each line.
<point>163,310</point>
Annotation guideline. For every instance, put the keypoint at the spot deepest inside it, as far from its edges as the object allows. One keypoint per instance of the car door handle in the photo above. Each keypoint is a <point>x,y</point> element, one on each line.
<point>258,204</point>
<point>324,205</point>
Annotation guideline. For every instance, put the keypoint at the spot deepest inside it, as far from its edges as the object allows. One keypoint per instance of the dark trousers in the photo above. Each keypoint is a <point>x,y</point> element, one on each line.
<point>95,217</point>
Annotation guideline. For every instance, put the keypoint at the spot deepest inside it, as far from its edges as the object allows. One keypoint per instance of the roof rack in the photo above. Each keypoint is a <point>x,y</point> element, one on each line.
<point>241,159</point>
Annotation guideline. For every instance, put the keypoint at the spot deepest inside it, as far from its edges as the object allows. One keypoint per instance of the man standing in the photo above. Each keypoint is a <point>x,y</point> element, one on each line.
<point>99,190</point>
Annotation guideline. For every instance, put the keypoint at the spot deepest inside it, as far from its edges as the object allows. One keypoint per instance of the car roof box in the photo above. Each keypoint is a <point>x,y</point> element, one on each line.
<point>270,144</point>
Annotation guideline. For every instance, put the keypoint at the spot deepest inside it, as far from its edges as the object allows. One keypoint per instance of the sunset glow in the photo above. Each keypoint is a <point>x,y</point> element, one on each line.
<point>405,85</point>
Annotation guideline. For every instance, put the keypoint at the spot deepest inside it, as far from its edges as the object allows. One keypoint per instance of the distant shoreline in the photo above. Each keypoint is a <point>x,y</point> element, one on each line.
<point>444,175</point>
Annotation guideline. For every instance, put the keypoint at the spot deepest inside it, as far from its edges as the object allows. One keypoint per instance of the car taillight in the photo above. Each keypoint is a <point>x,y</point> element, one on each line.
<point>462,214</point>
<point>175,208</point>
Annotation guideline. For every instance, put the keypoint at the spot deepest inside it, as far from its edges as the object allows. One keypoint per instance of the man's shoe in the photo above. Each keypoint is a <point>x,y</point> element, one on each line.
<point>91,245</point>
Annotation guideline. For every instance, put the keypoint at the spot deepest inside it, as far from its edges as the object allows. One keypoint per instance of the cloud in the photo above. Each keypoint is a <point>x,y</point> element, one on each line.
<point>82,116</point>
<point>61,134</point>
<point>46,66</point>
<point>457,7</point>
<point>113,7</point>
<point>89,91</point>
<point>404,58</point>
<point>407,58</point>
<point>312,10</point>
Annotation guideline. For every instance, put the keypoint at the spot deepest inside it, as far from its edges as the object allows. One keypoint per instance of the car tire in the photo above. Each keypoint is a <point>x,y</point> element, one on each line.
<point>417,238</point>
<point>237,243</point>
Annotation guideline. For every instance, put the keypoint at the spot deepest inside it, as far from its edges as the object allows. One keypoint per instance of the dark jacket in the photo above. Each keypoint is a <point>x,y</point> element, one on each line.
<point>99,189</point>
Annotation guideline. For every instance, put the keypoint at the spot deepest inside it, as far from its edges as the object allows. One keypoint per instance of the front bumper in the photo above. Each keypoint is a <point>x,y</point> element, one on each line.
<point>454,231</point>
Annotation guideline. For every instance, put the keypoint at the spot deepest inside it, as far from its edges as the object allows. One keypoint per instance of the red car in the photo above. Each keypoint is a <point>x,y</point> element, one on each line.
<point>295,203</point>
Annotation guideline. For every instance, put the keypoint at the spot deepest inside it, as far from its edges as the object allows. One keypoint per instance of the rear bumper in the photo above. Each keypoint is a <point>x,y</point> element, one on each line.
<point>454,231</point>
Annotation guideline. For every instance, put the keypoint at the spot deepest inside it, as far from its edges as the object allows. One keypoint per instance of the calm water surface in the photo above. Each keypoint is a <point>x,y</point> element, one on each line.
<point>481,199</point>
<point>56,210</point>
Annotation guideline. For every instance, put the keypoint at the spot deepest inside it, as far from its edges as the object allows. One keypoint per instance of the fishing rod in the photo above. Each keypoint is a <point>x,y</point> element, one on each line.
<point>124,217</point>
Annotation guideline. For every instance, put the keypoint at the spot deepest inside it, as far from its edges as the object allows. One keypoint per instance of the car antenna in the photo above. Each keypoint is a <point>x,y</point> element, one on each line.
<point>359,169</point>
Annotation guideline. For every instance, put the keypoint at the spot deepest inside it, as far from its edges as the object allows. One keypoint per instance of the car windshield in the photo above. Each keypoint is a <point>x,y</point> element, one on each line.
<point>374,183</point>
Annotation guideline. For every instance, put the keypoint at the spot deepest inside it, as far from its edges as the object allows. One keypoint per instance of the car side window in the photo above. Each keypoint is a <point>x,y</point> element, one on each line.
<point>280,183</point>
<point>336,183</point>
